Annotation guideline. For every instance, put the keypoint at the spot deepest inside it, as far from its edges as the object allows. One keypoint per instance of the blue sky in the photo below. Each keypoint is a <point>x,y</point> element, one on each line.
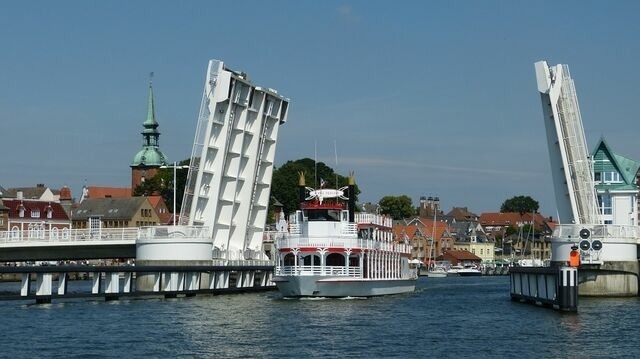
<point>421,97</point>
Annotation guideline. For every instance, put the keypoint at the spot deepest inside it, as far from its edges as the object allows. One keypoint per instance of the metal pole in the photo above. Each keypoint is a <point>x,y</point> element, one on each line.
<point>174,193</point>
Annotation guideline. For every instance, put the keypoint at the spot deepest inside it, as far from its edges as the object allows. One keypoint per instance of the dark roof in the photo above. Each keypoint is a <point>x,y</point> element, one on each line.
<point>462,255</point>
<point>108,208</point>
<point>32,207</point>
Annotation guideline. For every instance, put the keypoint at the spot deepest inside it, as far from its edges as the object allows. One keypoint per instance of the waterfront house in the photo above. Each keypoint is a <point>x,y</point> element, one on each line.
<point>115,213</point>
<point>615,179</point>
<point>35,216</point>
<point>470,237</point>
<point>428,238</point>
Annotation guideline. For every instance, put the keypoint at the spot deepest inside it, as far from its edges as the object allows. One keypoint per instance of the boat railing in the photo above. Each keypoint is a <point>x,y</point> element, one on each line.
<point>349,229</point>
<point>373,218</point>
<point>309,270</point>
<point>340,242</point>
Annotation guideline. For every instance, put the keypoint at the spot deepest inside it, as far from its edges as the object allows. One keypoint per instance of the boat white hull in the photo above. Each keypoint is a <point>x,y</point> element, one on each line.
<point>328,286</point>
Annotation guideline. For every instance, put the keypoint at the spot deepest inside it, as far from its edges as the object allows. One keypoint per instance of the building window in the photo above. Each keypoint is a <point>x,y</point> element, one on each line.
<point>604,203</point>
<point>35,213</point>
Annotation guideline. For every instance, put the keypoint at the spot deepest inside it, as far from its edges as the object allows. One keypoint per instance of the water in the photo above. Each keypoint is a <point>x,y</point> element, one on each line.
<point>445,318</point>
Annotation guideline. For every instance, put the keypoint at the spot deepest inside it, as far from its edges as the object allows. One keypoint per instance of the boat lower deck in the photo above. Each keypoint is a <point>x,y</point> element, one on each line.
<point>341,286</point>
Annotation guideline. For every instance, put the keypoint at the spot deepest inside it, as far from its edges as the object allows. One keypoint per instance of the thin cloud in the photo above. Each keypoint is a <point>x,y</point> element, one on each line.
<point>383,162</point>
<point>345,12</point>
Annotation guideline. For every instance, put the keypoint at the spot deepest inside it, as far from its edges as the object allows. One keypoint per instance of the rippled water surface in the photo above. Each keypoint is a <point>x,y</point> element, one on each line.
<point>445,317</point>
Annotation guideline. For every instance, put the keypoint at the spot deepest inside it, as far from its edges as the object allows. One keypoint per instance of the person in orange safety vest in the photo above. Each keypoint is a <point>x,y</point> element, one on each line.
<point>574,257</point>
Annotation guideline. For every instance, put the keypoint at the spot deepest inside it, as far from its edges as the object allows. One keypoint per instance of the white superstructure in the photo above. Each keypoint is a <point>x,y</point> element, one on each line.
<point>232,161</point>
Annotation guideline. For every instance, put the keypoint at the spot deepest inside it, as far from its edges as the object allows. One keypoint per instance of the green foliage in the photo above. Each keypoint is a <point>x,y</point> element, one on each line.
<point>162,184</point>
<point>284,183</point>
<point>398,207</point>
<point>520,204</point>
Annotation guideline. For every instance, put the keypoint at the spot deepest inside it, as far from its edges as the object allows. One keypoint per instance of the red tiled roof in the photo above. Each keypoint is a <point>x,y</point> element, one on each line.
<point>510,218</point>
<point>109,192</point>
<point>57,212</point>
<point>425,225</point>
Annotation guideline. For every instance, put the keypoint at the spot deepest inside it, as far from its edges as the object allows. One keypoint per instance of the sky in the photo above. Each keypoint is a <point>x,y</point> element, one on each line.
<point>419,98</point>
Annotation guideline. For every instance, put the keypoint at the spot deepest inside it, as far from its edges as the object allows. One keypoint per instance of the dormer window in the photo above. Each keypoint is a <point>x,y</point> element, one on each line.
<point>49,211</point>
<point>21,210</point>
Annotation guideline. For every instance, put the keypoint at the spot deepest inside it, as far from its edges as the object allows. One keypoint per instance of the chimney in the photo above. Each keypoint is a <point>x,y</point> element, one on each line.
<point>19,195</point>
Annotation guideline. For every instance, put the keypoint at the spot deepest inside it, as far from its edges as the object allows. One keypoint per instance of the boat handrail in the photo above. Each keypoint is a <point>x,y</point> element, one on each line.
<point>304,270</point>
<point>341,242</point>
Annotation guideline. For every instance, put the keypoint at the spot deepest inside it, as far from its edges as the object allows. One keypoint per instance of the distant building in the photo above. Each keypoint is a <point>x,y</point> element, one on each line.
<point>470,237</point>
<point>32,215</point>
<point>40,193</point>
<point>148,160</point>
<point>115,213</point>
<point>615,179</point>
<point>461,214</point>
<point>4,216</point>
<point>428,239</point>
<point>429,206</point>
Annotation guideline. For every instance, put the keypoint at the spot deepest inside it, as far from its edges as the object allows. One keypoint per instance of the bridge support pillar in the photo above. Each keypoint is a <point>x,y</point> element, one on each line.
<point>25,285</point>
<point>96,284</point>
<point>62,283</point>
<point>127,282</point>
<point>111,286</point>
<point>44,284</point>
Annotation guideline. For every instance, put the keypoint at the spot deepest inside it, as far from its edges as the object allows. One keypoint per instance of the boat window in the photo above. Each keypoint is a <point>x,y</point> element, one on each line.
<point>332,215</point>
<point>336,259</point>
<point>289,259</point>
<point>306,260</point>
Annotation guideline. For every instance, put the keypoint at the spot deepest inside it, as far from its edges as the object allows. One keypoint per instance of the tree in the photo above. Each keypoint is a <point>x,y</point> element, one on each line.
<point>398,207</point>
<point>520,204</point>
<point>162,184</point>
<point>284,183</point>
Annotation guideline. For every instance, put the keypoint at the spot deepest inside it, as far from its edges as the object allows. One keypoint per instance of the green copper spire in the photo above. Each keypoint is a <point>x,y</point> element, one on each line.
<point>151,113</point>
<point>150,154</point>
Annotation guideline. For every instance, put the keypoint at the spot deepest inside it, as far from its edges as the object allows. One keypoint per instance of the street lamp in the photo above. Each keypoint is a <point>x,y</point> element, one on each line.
<point>175,167</point>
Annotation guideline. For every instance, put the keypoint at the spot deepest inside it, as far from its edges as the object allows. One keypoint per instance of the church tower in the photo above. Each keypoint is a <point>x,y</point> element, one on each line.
<point>147,161</point>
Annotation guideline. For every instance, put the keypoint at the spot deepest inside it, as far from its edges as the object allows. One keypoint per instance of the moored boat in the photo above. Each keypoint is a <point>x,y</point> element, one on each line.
<point>328,250</point>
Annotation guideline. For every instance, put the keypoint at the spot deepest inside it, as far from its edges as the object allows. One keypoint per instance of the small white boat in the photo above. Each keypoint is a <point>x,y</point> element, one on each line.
<point>437,272</point>
<point>466,270</point>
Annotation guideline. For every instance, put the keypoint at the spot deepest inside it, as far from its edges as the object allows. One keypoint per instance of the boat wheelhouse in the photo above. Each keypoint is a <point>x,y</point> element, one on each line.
<point>328,250</point>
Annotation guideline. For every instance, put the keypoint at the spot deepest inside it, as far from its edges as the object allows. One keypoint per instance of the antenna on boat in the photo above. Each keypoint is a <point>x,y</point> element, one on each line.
<point>315,163</point>
<point>335,152</point>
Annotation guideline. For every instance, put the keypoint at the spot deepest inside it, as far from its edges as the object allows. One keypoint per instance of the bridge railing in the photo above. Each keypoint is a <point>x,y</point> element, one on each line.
<point>597,231</point>
<point>68,235</point>
<point>172,232</point>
